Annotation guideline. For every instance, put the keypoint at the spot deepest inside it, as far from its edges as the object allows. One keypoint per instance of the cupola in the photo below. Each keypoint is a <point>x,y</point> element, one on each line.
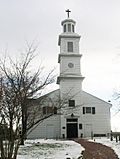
<point>68,29</point>
<point>68,26</point>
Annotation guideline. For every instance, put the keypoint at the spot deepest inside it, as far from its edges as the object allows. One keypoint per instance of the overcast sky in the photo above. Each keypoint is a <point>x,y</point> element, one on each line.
<point>97,21</point>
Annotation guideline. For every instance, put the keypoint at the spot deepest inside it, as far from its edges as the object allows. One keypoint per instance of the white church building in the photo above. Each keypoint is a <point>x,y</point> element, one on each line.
<point>80,114</point>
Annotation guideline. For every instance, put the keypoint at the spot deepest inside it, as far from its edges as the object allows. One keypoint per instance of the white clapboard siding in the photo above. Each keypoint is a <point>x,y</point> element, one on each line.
<point>64,69</point>
<point>49,128</point>
<point>63,48</point>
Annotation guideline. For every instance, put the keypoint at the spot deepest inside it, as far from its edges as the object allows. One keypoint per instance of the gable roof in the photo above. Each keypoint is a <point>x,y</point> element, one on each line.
<point>87,97</point>
<point>94,98</point>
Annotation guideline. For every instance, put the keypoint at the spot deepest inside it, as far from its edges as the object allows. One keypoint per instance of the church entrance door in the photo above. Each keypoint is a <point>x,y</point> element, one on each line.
<point>72,128</point>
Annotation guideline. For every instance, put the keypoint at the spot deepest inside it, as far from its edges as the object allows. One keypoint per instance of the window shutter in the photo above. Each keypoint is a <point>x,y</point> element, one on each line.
<point>80,126</point>
<point>83,110</point>
<point>93,110</point>
<point>55,110</point>
<point>44,110</point>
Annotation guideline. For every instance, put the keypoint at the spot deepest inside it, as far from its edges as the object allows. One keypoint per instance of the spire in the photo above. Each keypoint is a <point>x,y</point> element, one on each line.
<point>68,12</point>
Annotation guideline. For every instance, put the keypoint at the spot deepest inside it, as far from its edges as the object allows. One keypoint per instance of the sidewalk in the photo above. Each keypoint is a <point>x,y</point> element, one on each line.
<point>96,150</point>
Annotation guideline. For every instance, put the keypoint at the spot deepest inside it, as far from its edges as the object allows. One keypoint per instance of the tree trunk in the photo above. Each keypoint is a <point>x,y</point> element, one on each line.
<point>24,123</point>
<point>2,149</point>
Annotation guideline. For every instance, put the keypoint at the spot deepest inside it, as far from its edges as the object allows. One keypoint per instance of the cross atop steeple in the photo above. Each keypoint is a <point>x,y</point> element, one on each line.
<point>68,12</point>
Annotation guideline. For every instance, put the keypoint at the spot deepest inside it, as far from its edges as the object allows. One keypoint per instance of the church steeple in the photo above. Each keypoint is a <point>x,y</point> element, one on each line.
<point>69,58</point>
<point>68,29</point>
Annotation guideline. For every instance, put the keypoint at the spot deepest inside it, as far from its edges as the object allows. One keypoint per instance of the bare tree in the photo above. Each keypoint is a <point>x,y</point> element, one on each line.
<point>20,107</point>
<point>18,87</point>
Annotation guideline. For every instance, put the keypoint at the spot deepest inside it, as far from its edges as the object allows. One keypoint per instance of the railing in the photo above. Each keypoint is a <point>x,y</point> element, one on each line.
<point>115,135</point>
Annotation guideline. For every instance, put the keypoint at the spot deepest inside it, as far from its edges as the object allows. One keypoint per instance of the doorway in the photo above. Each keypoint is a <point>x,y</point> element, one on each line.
<point>72,128</point>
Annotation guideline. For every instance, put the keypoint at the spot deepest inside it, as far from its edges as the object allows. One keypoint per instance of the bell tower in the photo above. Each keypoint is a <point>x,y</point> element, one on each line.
<point>70,78</point>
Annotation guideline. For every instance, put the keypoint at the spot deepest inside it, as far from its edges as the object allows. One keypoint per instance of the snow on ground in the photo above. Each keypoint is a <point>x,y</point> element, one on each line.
<point>113,144</point>
<point>49,149</point>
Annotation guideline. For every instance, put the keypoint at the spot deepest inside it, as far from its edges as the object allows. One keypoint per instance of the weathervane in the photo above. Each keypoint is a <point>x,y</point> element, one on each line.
<point>68,12</point>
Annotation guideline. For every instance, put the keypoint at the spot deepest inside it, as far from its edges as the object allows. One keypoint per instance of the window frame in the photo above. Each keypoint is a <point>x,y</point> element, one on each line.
<point>70,46</point>
<point>49,110</point>
<point>88,110</point>
<point>91,110</point>
<point>71,120</point>
<point>71,103</point>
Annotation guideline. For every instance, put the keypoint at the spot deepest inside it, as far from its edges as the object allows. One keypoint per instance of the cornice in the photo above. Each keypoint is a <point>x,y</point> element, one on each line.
<point>68,55</point>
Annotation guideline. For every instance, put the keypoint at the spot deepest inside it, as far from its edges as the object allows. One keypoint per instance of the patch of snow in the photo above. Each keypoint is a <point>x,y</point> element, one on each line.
<point>113,144</point>
<point>50,149</point>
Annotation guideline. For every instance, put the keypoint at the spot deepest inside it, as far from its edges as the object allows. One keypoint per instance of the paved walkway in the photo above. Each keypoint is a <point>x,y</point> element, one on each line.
<point>96,150</point>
